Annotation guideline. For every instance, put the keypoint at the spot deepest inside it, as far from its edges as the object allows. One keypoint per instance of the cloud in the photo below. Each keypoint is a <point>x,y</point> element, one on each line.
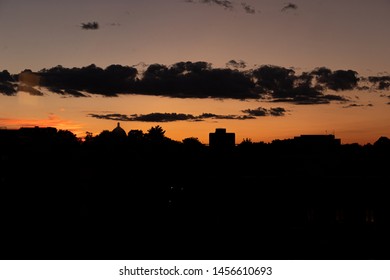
<point>278,111</point>
<point>226,4</point>
<point>309,100</point>
<point>380,82</point>
<point>336,80</point>
<point>5,76</point>
<point>226,117</point>
<point>28,81</point>
<point>261,112</point>
<point>162,117</point>
<point>289,6</point>
<point>30,90</point>
<point>110,81</point>
<point>248,8</point>
<point>223,3</point>
<point>181,80</point>
<point>7,88</point>
<point>167,117</point>
<point>281,84</point>
<point>274,80</point>
<point>114,117</point>
<point>353,105</point>
<point>90,25</point>
<point>68,92</point>
<point>172,117</point>
<point>196,80</point>
<point>7,83</point>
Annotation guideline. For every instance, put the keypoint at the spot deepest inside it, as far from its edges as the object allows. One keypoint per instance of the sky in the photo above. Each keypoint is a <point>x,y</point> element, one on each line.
<point>264,69</point>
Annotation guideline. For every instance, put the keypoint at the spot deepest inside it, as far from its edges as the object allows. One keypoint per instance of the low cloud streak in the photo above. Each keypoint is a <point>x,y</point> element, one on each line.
<point>172,117</point>
<point>289,6</point>
<point>248,8</point>
<point>222,3</point>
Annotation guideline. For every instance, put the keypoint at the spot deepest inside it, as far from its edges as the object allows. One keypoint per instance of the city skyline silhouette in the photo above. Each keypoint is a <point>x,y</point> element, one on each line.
<point>143,195</point>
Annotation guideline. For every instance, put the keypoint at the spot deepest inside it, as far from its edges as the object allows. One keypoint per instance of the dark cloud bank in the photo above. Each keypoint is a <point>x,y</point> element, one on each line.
<point>195,80</point>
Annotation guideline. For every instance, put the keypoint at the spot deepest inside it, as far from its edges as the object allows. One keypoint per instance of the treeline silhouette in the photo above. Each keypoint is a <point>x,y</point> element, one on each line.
<point>142,195</point>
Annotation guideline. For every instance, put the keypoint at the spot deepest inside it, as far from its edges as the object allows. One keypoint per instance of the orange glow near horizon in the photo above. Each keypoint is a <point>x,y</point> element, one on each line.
<point>52,121</point>
<point>357,124</point>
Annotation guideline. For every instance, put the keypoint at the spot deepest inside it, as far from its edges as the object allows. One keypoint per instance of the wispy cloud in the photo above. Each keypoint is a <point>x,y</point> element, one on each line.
<point>30,90</point>
<point>261,112</point>
<point>114,24</point>
<point>68,92</point>
<point>90,25</point>
<point>289,6</point>
<point>222,3</point>
<point>167,117</point>
<point>172,117</point>
<point>248,8</point>
<point>354,105</point>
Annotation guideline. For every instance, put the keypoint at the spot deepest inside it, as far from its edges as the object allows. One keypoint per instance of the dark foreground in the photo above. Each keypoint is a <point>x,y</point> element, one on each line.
<point>166,201</point>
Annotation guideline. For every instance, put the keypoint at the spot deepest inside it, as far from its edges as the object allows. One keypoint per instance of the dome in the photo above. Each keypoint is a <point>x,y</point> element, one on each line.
<point>119,131</point>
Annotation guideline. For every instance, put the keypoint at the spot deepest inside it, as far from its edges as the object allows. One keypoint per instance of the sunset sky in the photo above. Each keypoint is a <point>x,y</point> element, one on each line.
<point>296,56</point>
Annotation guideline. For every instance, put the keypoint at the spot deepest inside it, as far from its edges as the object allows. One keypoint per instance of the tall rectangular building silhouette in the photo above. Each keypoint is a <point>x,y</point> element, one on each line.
<point>220,139</point>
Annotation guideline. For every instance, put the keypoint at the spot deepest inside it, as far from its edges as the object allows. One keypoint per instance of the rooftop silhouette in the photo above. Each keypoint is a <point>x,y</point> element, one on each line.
<point>222,140</point>
<point>119,131</point>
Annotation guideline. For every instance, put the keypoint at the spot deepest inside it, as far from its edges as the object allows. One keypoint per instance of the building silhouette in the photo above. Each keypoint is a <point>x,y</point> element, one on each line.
<point>222,140</point>
<point>27,136</point>
<point>118,131</point>
<point>316,142</point>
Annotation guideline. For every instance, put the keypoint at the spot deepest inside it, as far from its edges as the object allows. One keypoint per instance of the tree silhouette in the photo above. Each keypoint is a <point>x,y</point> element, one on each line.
<point>88,137</point>
<point>193,146</point>
<point>156,134</point>
<point>192,142</point>
<point>135,136</point>
<point>67,138</point>
<point>246,141</point>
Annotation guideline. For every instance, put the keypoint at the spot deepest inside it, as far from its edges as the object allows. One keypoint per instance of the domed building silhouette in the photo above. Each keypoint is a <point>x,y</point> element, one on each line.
<point>118,131</point>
